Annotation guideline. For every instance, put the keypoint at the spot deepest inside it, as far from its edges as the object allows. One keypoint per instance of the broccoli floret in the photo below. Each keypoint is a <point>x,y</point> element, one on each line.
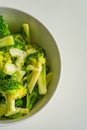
<point>12,90</point>
<point>4,31</point>
<point>4,58</point>
<point>6,41</point>
<point>26,32</point>
<point>31,48</point>
<point>19,42</point>
<point>35,61</point>
<point>36,58</point>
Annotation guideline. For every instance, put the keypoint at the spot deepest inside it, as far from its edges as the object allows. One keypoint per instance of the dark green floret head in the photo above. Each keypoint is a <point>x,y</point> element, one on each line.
<point>8,85</point>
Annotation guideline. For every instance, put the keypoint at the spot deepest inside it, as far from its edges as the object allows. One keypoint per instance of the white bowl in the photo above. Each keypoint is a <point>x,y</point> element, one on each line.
<point>40,35</point>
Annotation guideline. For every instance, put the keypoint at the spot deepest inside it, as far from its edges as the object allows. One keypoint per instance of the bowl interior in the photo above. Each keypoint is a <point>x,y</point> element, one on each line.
<point>41,36</point>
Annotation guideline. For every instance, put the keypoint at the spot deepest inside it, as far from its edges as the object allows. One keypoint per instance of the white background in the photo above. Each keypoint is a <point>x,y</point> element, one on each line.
<point>67,21</point>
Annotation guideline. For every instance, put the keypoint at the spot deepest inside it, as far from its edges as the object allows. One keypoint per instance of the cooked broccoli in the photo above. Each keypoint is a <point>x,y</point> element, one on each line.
<point>25,32</point>
<point>42,86</point>
<point>32,98</point>
<point>18,75</point>
<point>4,31</point>
<point>19,42</point>
<point>6,41</point>
<point>33,48</point>
<point>4,58</point>
<point>12,90</point>
<point>24,73</point>
<point>35,63</point>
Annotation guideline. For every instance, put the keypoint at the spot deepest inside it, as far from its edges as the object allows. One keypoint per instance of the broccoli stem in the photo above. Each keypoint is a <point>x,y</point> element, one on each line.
<point>10,102</point>
<point>2,110</point>
<point>26,32</point>
<point>23,111</point>
<point>27,100</point>
<point>11,109</point>
<point>34,77</point>
<point>49,78</point>
<point>6,41</point>
<point>42,80</point>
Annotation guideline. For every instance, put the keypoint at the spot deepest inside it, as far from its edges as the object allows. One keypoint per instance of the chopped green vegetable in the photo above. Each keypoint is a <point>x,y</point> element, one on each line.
<point>25,32</point>
<point>19,42</point>
<point>4,31</point>
<point>42,87</point>
<point>6,41</point>
<point>24,73</point>
<point>49,78</point>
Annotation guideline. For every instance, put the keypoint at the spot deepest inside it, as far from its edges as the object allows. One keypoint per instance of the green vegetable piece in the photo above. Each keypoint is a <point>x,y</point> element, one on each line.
<point>19,42</point>
<point>4,31</point>
<point>31,99</point>
<point>32,81</point>
<point>49,78</point>
<point>18,75</point>
<point>11,90</point>
<point>35,61</point>
<point>42,87</point>
<point>26,32</point>
<point>6,41</point>
<point>24,74</point>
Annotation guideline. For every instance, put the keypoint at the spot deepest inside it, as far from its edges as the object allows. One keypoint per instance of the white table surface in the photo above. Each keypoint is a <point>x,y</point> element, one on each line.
<point>67,21</point>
